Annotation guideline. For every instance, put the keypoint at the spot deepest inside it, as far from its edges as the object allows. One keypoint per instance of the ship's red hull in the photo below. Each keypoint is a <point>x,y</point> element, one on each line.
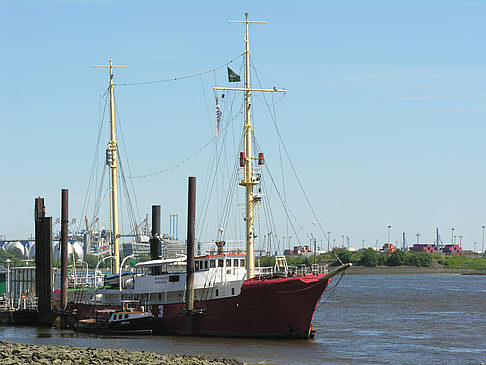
<point>275,308</point>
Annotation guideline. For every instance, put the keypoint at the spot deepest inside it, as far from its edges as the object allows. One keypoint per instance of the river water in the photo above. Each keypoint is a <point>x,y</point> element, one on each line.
<point>376,319</point>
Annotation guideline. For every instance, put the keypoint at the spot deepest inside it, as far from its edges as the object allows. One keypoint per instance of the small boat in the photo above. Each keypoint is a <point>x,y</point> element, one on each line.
<point>129,320</point>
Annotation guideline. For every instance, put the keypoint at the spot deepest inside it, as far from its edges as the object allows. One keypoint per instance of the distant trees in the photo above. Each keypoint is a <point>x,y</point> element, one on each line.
<point>370,258</point>
<point>367,257</point>
<point>397,258</point>
<point>419,259</point>
<point>92,260</point>
<point>15,255</point>
<point>345,256</point>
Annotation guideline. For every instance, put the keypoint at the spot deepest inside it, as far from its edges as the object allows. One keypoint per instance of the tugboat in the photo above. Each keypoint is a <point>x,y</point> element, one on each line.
<point>130,320</point>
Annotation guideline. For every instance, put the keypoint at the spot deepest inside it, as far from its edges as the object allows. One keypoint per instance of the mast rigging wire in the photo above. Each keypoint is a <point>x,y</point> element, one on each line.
<point>180,77</point>
<point>292,166</point>
<point>94,166</point>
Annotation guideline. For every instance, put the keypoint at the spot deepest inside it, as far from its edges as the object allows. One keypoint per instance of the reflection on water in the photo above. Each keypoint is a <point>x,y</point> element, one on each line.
<point>370,319</point>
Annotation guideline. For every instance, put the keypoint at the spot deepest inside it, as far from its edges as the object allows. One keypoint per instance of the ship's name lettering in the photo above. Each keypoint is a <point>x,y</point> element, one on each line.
<point>162,280</point>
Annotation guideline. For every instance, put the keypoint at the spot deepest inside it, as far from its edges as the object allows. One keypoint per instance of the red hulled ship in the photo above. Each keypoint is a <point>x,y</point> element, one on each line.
<point>221,294</point>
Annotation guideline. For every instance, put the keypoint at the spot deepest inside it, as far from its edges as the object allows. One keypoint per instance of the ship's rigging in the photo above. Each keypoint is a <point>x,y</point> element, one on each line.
<point>219,184</point>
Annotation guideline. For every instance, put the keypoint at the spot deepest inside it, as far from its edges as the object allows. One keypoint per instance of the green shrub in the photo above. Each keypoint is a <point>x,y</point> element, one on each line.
<point>382,258</point>
<point>345,256</point>
<point>419,259</point>
<point>397,258</point>
<point>370,258</point>
<point>463,262</point>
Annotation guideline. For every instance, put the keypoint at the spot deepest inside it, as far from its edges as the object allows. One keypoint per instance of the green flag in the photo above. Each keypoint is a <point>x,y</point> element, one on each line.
<point>232,76</point>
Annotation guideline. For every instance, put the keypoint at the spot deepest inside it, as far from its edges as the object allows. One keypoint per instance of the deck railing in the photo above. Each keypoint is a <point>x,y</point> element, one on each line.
<point>26,303</point>
<point>299,270</point>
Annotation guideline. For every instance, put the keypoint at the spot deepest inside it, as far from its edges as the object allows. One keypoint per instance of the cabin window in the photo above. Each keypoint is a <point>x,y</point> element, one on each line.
<point>197,265</point>
<point>228,271</point>
<point>235,262</point>
<point>242,262</point>
<point>228,262</point>
<point>126,316</point>
<point>206,264</point>
<point>232,291</point>
<point>220,262</point>
<point>160,296</point>
<point>212,263</point>
<point>217,292</point>
<point>173,278</point>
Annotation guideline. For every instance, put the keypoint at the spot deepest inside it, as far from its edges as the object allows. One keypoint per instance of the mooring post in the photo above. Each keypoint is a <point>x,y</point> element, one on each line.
<point>155,240</point>
<point>64,255</point>
<point>191,227</point>
<point>43,261</point>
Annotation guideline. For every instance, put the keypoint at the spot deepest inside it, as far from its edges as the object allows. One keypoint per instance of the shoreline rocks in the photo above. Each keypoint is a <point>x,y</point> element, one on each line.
<point>19,353</point>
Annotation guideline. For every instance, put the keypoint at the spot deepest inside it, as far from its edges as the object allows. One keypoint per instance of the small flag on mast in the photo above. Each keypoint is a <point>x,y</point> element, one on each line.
<point>218,115</point>
<point>232,76</point>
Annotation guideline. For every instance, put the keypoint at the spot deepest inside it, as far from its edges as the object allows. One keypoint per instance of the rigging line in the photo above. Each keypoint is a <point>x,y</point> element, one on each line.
<point>295,172</point>
<point>131,214</point>
<point>128,163</point>
<point>207,105</point>
<point>100,196</point>
<point>284,202</point>
<point>331,293</point>
<point>179,163</point>
<point>270,222</point>
<point>237,228</point>
<point>282,171</point>
<point>279,195</point>
<point>257,95</point>
<point>223,134</point>
<point>229,198</point>
<point>213,182</point>
<point>178,78</point>
<point>268,77</point>
<point>95,160</point>
<point>211,162</point>
<point>210,186</point>
<point>232,174</point>
<point>206,186</point>
<point>233,177</point>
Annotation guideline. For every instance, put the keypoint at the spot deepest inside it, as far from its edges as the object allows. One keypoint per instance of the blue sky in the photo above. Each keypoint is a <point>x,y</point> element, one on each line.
<point>384,116</point>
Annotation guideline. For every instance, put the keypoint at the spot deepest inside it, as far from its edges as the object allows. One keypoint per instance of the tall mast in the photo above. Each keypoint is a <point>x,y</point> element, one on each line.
<point>248,181</point>
<point>111,161</point>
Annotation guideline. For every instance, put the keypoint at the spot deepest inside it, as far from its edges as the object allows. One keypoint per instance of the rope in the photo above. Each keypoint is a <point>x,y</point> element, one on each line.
<point>178,78</point>
<point>331,293</point>
<point>292,166</point>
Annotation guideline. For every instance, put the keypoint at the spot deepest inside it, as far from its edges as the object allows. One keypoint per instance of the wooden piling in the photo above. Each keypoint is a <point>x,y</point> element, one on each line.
<point>191,227</point>
<point>64,254</point>
<point>155,240</point>
<point>43,262</point>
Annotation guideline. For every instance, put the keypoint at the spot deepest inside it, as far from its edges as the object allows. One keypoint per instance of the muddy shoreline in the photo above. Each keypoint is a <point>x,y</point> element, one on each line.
<point>17,353</point>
